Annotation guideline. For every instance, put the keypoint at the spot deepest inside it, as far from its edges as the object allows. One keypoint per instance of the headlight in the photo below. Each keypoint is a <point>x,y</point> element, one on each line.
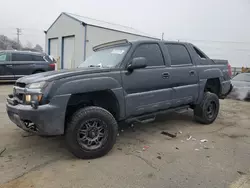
<point>33,97</point>
<point>37,85</point>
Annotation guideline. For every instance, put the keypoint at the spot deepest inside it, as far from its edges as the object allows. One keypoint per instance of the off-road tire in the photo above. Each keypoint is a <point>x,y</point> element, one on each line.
<point>73,127</point>
<point>200,110</point>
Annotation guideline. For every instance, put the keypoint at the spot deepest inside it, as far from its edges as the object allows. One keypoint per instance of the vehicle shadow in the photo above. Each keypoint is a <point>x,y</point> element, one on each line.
<point>28,150</point>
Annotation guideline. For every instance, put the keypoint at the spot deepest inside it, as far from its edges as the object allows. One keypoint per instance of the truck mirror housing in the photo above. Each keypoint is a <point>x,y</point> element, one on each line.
<point>137,63</point>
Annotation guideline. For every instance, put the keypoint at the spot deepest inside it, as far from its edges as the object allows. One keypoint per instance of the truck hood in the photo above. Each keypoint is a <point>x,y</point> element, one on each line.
<point>55,75</point>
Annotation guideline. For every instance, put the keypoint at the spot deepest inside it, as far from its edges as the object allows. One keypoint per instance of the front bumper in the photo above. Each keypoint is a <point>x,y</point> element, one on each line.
<point>47,119</point>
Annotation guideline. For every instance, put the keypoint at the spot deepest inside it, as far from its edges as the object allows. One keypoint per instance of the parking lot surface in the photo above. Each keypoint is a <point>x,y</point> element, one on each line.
<point>215,155</point>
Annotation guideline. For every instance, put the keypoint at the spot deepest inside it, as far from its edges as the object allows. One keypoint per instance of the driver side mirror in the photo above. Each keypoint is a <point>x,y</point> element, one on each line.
<point>137,63</point>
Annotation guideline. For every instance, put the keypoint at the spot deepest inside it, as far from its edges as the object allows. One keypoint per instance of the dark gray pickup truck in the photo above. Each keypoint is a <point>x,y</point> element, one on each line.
<point>121,82</point>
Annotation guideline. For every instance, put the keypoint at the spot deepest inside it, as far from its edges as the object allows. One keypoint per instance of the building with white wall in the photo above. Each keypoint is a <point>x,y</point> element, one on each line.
<point>71,37</point>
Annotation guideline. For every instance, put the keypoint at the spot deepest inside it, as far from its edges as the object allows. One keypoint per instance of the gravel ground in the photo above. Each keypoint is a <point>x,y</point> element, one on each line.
<point>142,157</point>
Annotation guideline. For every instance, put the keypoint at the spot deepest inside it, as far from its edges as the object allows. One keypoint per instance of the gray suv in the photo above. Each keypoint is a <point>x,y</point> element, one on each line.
<point>16,64</point>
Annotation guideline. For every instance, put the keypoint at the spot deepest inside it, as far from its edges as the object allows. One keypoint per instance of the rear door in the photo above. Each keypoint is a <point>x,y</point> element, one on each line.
<point>5,67</point>
<point>147,89</point>
<point>23,64</point>
<point>184,76</point>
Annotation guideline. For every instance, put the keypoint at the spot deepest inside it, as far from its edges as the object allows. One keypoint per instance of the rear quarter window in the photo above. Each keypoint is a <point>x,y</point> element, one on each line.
<point>49,59</point>
<point>37,58</point>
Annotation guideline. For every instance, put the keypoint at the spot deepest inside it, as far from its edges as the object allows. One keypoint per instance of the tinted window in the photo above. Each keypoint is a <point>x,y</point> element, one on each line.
<point>178,54</point>
<point>49,59</point>
<point>151,52</point>
<point>37,58</point>
<point>3,57</point>
<point>199,53</point>
<point>21,57</point>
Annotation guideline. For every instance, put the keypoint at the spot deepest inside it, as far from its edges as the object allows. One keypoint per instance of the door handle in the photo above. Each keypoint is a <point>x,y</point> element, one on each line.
<point>192,73</point>
<point>165,75</point>
<point>9,65</point>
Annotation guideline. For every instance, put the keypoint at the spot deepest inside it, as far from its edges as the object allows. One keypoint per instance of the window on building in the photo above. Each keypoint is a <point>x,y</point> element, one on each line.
<point>151,52</point>
<point>178,54</point>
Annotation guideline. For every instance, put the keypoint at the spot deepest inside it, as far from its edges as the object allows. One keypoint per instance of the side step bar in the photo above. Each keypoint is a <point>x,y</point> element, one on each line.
<point>146,118</point>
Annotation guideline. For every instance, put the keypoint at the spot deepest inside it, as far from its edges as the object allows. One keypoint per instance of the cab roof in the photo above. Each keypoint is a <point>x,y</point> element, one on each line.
<point>125,41</point>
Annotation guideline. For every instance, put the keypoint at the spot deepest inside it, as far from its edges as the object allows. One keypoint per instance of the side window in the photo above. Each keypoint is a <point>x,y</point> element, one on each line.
<point>49,59</point>
<point>37,58</point>
<point>21,57</point>
<point>151,52</point>
<point>178,54</point>
<point>3,57</point>
<point>199,53</point>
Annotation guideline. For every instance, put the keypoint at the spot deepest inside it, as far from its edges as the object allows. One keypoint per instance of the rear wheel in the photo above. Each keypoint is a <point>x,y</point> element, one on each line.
<point>91,132</point>
<point>207,111</point>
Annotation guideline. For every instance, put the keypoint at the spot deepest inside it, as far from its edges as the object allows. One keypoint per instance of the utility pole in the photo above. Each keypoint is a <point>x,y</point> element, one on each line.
<point>162,36</point>
<point>18,32</point>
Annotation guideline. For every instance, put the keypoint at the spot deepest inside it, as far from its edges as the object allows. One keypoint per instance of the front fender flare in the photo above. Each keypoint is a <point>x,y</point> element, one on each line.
<point>95,84</point>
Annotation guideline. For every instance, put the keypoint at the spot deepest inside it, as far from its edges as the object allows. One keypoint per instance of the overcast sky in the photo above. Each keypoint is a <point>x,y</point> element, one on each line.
<point>220,27</point>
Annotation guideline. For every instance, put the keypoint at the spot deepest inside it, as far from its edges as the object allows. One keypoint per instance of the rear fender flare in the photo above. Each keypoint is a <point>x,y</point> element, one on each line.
<point>204,76</point>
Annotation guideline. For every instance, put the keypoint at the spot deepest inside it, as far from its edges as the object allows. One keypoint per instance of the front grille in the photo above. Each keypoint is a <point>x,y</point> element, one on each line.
<point>20,84</point>
<point>18,93</point>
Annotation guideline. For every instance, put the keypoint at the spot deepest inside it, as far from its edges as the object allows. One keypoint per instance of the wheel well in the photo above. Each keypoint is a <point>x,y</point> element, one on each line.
<point>105,99</point>
<point>213,86</point>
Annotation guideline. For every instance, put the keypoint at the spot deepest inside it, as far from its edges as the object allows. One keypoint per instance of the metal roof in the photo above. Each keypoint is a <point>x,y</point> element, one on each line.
<point>107,25</point>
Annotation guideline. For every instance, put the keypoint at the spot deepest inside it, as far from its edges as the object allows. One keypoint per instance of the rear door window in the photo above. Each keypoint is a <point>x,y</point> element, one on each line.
<point>21,57</point>
<point>178,54</point>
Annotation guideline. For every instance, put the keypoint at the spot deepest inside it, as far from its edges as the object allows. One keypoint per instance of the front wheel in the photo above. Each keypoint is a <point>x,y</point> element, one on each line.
<point>207,111</point>
<point>91,132</point>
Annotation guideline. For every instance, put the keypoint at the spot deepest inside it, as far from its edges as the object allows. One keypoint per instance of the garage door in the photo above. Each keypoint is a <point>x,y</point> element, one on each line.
<point>68,52</point>
<point>53,50</point>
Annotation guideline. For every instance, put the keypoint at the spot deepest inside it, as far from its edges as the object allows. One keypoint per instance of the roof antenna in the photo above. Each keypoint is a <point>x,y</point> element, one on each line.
<point>162,36</point>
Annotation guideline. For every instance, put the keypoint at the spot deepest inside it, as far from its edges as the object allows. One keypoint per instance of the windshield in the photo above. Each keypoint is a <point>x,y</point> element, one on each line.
<point>242,77</point>
<point>106,58</point>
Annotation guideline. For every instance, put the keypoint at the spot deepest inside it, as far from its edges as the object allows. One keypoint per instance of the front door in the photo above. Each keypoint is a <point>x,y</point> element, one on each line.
<point>184,76</point>
<point>5,67</point>
<point>147,89</point>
